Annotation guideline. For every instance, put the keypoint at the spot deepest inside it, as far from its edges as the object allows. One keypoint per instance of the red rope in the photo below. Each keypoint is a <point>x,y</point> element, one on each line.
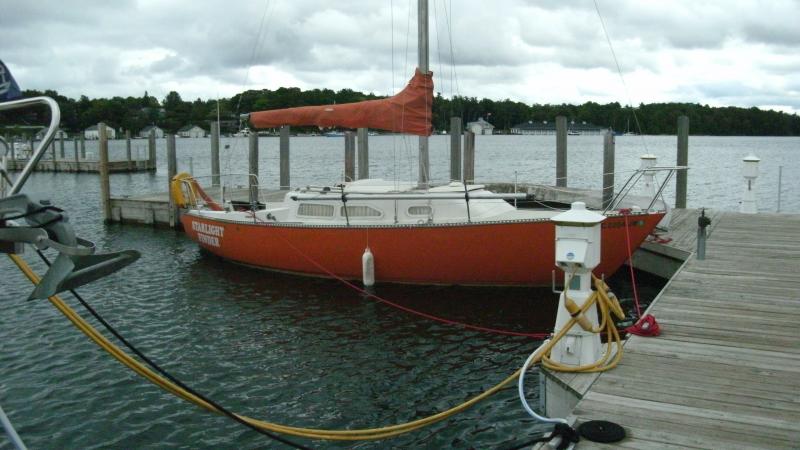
<point>625,213</point>
<point>410,310</point>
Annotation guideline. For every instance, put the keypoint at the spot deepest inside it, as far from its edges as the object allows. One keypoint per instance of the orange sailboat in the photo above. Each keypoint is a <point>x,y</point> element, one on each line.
<point>411,232</point>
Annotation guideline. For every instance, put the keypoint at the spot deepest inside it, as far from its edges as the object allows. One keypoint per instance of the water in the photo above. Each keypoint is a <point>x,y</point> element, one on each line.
<point>300,351</point>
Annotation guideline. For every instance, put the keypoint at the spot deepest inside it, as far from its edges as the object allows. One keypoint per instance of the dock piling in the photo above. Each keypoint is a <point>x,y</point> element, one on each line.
<point>561,151</point>
<point>780,177</point>
<point>172,170</point>
<point>750,173</point>
<point>105,186</point>
<point>128,148</point>
<point>75,151</point>
<point>469,157</point>
<point>83,146</point>
<point>151,150</point>
<point>363,154</point>
<point>60,145</point>
<point>455,148</point>
<point>214,154</point>
<point>608,168</point>
<point>683,160</point>
<point>284,158</point>
<point>349,156</point>
<point>252,167</point>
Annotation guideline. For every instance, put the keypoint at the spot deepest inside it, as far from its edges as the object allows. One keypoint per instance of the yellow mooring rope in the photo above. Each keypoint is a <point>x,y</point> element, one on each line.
<point>605,303</point>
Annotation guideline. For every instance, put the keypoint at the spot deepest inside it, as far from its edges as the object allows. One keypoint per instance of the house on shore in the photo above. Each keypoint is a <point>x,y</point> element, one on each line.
<point>480,126</point>
<point>93,133</point>
<point>546,127</point>
<point>157,131</point>
<point>192,131</point>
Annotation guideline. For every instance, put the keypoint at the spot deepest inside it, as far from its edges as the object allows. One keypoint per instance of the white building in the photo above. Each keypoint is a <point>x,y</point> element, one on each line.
<point>145,132</point>
<point>480,126</point>
<point>93,133</point>
<point>192,131</point>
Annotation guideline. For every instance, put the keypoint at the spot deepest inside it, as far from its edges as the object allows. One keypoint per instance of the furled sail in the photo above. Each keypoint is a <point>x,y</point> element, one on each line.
<point>409,111</point>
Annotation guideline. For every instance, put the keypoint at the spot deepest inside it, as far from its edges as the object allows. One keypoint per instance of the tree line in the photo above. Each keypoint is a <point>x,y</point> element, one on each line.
<point>172,113</point>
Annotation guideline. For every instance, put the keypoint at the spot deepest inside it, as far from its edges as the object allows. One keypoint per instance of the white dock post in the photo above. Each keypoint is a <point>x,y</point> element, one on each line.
<point>105,186</point>
<point>750,173</point>
<point>577,254</point>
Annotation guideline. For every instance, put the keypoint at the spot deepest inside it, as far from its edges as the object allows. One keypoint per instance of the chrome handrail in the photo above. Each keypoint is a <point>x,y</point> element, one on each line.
<point>628,186</point>
<point>55,120</point>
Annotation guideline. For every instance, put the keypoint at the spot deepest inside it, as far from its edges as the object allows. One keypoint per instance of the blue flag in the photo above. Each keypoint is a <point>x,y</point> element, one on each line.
<point>9,90</point>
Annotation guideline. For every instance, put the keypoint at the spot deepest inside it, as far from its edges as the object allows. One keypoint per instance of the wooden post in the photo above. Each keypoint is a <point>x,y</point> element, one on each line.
<point>455,149</point>
<point>284,158</point>
<point>561,151</point>
<point>608,168</point>
<point>683,160</point>
<point>469,157</point>
<point>151,150</point>
<point>349,156</point>
<point>77,160</point>
<point>363,154</point>
<point>105,186</point>
<point>53,152</point>
<point>83,146</point>
<point>128,149</point>
<point>252,168</point>
<point>172,170</point>
<point>61,144</point>
<point>214,154</point>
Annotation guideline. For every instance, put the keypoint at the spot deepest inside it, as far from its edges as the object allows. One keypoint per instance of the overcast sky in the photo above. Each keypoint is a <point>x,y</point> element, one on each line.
<point>717,52</point>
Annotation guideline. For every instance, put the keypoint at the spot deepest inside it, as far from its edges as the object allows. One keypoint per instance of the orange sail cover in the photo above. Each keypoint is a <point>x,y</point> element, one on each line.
<point>409,111</point>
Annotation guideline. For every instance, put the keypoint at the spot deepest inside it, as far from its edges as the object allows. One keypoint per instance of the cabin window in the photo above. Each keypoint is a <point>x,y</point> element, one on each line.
<point>419,210</point>
<point>360,211</point>
<point>314,210</point>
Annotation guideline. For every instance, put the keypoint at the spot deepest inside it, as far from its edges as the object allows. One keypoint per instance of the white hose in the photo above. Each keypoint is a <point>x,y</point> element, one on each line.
<point>521,385</point>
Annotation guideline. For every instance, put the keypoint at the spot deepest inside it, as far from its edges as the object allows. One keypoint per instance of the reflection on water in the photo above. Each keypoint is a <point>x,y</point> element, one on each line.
<point>302,351</point>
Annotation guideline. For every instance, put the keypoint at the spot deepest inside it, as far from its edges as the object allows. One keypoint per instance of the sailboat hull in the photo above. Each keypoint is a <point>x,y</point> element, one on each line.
<point>495,253</point>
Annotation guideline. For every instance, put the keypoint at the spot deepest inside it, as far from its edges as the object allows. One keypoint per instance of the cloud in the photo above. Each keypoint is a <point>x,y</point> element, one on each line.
<point>728,52</point>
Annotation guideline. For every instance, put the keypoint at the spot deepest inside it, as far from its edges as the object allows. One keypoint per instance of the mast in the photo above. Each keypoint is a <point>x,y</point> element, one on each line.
<point>422,46</point>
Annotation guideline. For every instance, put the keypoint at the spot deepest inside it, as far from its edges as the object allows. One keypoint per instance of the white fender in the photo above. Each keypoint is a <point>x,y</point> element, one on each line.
<point>368,268</point>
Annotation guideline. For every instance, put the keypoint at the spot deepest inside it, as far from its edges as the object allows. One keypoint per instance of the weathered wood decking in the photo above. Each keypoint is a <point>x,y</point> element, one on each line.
<point>725,372</point>
<point>82,165</point>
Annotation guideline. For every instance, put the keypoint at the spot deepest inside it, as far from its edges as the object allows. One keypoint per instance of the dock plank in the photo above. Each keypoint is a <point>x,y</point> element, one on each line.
<point>725,373</point>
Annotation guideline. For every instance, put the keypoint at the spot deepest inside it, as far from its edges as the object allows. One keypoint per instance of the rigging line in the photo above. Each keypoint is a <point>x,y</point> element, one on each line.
<point>166,374</point>
<point>619,71</point>
<point>453,72</point>
<point>394,139</point>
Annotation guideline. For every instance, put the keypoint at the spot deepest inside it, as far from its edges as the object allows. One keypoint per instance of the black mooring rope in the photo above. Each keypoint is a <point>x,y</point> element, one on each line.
<point>167,375</point>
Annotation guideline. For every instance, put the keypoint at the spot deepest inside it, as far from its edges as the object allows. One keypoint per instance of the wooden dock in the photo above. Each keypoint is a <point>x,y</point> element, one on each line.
<point>153,209</point>
<point>725,372</point>
<point>91,166</point>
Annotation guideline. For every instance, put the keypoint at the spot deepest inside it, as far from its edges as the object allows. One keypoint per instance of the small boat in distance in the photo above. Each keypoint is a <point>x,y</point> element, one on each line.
<point>335,133</point>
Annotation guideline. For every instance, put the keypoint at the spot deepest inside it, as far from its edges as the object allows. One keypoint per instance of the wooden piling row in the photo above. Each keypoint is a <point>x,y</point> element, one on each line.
<point>455,149</point>
<point>105,186</point>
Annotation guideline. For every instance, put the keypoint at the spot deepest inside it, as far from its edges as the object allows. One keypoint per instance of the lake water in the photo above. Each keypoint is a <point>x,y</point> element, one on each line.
<point>300,351</point>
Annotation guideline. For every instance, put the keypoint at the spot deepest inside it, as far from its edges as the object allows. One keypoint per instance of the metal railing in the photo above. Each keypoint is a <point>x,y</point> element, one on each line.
<point>627,188</point>
<point>55,119</point>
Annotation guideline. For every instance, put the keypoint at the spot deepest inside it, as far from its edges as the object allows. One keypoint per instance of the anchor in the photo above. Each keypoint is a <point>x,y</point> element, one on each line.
<point>49,227</point>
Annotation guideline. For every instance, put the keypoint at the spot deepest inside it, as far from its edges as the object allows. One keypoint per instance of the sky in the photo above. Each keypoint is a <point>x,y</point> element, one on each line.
<point>715,52</point>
